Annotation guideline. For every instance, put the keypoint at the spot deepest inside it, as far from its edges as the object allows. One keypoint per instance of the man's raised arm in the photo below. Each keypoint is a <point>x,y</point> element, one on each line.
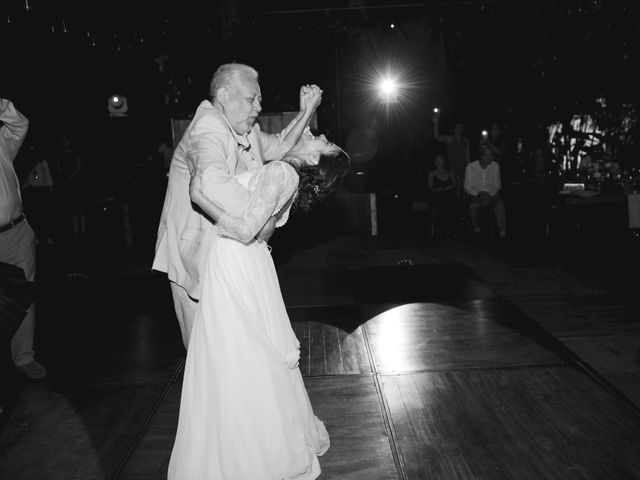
<point>14,129</point>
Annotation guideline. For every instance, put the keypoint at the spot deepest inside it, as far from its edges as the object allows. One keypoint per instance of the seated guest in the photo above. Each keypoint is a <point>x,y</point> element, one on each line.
<point>442,185</point>
<point>482,183</point>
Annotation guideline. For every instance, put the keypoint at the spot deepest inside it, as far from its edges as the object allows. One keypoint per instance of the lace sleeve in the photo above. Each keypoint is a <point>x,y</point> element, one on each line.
<point>275,184</point>
<point>283,215</point>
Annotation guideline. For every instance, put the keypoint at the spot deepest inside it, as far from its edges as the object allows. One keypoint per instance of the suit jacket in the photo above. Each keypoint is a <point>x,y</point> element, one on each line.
<point>184,234</point>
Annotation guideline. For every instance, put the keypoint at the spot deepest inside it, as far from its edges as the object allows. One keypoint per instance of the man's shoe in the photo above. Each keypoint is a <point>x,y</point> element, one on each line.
<point>33,370</point>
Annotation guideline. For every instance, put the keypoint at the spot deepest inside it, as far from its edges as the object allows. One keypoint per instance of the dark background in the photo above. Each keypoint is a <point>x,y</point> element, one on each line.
<point>523,64</point>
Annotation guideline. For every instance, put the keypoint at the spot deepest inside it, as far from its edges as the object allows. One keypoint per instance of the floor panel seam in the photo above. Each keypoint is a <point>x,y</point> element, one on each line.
<point>477,369</point>
<point>386,413</point>
<point>133,444</point>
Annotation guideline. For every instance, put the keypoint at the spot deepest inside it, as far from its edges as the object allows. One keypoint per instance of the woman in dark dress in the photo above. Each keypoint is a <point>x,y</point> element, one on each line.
<point>442,195</point>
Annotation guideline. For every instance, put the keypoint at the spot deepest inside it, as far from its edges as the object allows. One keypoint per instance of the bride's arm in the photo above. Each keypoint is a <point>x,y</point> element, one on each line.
<point>272,185</point>
<point>231,226</point>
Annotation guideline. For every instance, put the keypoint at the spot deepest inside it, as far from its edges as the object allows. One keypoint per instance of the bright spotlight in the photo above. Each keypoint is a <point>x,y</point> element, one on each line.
<point>388,90</point>
<point>388,86</point>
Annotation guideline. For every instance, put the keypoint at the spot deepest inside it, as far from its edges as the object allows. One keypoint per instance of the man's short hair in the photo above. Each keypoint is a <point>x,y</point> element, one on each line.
<point>226,75</point>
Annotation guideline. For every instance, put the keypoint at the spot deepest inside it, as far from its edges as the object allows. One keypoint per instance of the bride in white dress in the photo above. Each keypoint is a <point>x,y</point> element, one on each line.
<point>245,413</point>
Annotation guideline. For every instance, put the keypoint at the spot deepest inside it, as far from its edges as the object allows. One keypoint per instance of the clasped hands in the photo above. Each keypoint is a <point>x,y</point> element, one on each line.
<point>310,98</point>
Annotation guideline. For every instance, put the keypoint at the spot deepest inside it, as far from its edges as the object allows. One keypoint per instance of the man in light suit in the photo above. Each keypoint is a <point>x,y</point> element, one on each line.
<point>223,139</point>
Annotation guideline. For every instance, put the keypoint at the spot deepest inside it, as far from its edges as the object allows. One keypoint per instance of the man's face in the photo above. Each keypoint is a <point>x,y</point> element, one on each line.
<point>242,105</point>
<point>458,129</point>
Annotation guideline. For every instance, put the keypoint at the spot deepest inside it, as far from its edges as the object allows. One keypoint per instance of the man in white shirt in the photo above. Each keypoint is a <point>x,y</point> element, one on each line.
<point>17,240</point>
<point>482,184</point>
<point>222,140</point>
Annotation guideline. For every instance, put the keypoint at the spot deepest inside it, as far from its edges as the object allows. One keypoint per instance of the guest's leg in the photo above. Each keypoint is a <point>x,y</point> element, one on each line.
<point>22,342</point>
<point>185,311</point>
<point>460,210</point>
<point>474,213</point>
<point>459,177</point>
<point>20,244</point>
<point>498,208</point>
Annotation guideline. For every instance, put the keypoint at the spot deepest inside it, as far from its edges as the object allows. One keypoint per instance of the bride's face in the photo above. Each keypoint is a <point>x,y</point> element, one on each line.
<point>313,147</point>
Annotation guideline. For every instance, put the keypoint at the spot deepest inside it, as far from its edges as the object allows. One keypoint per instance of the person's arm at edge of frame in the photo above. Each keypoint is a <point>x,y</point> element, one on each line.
<point>14,129</point>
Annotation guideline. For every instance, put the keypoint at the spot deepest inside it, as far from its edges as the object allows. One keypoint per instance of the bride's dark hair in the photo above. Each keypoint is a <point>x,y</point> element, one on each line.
<point>318,181</point>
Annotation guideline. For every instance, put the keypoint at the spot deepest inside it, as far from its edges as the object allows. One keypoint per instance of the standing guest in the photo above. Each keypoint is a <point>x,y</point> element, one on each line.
<point>504,153</point>
<point>538,167</point>
<point>17,240</point>
<point>38,198</point>
<point>482,184</point>
<point>73,188</point>
<point>457,151</point>
<point>495,141</point>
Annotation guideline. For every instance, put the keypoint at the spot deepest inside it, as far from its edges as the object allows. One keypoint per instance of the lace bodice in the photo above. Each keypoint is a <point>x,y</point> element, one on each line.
<point>271,187</point>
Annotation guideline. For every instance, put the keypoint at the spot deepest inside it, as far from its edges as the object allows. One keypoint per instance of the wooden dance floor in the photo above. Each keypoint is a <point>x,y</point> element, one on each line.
<point>419,372</point>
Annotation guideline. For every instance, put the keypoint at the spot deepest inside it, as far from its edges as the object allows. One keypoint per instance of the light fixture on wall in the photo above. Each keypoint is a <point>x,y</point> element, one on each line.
<point>117,105</point>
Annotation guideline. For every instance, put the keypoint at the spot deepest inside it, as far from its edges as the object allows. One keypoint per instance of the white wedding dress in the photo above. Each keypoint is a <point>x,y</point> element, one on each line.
<point>245,413</point>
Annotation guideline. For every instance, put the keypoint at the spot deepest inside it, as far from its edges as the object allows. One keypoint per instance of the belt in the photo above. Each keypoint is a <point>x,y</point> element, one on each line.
<point>13,223</point>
